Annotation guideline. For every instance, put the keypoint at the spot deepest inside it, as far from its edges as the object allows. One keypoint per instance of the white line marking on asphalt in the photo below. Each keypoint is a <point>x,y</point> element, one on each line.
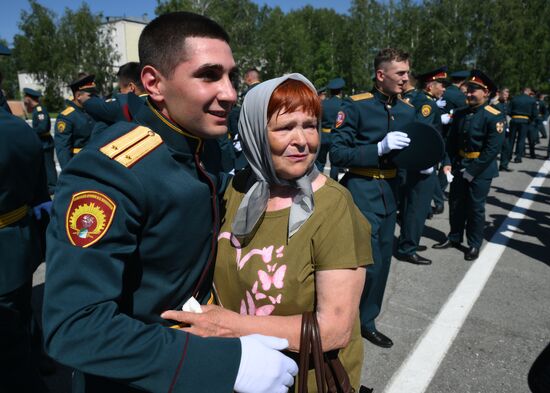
<point>417,371</point>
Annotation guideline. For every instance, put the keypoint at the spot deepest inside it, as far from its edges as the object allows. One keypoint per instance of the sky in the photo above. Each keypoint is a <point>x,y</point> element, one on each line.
<point>10,14</point>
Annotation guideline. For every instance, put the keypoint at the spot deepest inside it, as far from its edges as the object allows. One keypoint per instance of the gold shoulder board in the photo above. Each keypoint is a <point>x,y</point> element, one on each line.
<point>67,110</point>
<point>492,110</point>
<point>406,101</point>
<point>132,146</point>
<point>362,96</point>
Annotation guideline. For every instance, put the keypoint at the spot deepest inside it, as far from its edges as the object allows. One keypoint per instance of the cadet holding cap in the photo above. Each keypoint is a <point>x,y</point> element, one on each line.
<point>475,139</point>
<point>330,106</point>
<point>367,129</point>
<point>74,126</point>
<point>420,185</point>
<point>41,125</point>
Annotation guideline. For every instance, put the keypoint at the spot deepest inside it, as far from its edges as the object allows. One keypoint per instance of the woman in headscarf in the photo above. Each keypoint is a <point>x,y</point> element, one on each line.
<point>292,240</point>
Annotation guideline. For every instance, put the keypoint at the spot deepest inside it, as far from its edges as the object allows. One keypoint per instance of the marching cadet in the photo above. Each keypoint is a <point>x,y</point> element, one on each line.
<point>523,111</point>
<point>330,106</point>
<point>367,129</point>
<point>23,191</point>
<point>41,125</point>
<point>421,185</point>
<point>475,139</point>
<point>74,126</point>
<point>134,231</point>
<point>502,104</point>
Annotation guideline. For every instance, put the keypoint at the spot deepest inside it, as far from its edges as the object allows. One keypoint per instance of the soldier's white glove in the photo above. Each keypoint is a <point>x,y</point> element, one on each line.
<point>449,177</point>
<point>394,140</point>
<point>427,171</point>
<point>446,118</point>
<point>545,123</point>
<point>441,103</point>
<point>263,368</point>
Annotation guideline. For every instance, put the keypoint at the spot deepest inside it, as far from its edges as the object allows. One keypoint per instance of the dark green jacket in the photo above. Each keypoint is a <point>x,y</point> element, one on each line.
<point>523,105</point>
<point>331,106</point>
<point>73,128</point>
<point>479,129</point>
<point>364,120</point>
<point>454,98</point>
<point>42,125</point>
<point>156,248</point>
<point>427,110</point>
<point>22,186</point>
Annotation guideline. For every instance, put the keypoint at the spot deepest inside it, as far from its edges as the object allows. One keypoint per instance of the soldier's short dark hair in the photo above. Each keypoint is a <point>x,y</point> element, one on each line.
<point>387,55</point>
<point>161,43</point>
<point>130,72</point>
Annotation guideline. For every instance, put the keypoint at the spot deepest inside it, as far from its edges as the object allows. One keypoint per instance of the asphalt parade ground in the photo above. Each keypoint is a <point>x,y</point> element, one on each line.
<point>460,326</point>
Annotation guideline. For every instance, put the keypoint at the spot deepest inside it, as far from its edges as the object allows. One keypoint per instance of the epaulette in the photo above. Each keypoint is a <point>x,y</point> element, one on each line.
<point>362,96</point>
<point>132,146</point>
<point>39,108</point>
<point>67,111</point>
<point>406,101</point>
<point>492,110</point>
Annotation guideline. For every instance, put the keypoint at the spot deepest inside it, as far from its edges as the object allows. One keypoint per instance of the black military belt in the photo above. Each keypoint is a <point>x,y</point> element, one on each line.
<point>469,154</point>
<point>13,216</point>
<point>520,117</point>
<point>375,173</point>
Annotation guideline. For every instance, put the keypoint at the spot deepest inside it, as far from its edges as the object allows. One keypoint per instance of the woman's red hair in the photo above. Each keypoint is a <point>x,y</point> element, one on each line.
<point>292,95</point>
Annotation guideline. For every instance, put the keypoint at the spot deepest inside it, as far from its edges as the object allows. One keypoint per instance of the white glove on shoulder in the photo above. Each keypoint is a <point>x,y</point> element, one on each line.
<point>441,103</point>
<point>427,171</point>
<point>394,140</point>
<point>446,118</point>
<point>263,369</point>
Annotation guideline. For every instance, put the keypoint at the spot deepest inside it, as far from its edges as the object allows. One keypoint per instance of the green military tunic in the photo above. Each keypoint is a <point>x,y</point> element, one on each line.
<point>331,106</point>
<point>419,188</point>
<point>523,111</point>
<point>22,186</point>
<point>42,125</point>
<point>363,121</point>
<point>72,132</point>
<point>133,234</point>
<point>474,142</point>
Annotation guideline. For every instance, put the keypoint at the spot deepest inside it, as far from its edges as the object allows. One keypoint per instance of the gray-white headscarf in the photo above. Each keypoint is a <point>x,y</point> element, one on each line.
<point>253,131</point>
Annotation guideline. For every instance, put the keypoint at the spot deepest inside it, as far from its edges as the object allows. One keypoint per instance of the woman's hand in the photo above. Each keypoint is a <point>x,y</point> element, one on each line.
<point>214,321</point>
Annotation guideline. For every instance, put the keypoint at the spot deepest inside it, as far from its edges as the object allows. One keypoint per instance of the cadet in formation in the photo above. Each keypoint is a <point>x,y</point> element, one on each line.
<point>134,231</point>
<point>502,103</point>
<point>366,130</point>
<point>475,139</point>
<point>23,191</point>
<point>74,126</point>
<point>523,110</point>
<point>420,185</point>
<point>331,106</point>
<point>42,125</point>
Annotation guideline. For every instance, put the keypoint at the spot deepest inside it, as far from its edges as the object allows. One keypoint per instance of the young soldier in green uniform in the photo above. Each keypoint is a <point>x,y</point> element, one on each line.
<point>420,185</point>
<point>366,130</point>
<point>542,115</point>
<point>506,151</point>
<point>331,106</point>
<point>475,139</point>
<point>22,189</point>
<point>116,108</point>
<point>41,125</point>
<point>523,111</point>
<point>134,232</point>
<point>74,126</point>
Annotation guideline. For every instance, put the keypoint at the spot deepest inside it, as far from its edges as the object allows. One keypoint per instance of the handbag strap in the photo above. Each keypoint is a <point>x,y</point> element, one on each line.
<point>310,342</point>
